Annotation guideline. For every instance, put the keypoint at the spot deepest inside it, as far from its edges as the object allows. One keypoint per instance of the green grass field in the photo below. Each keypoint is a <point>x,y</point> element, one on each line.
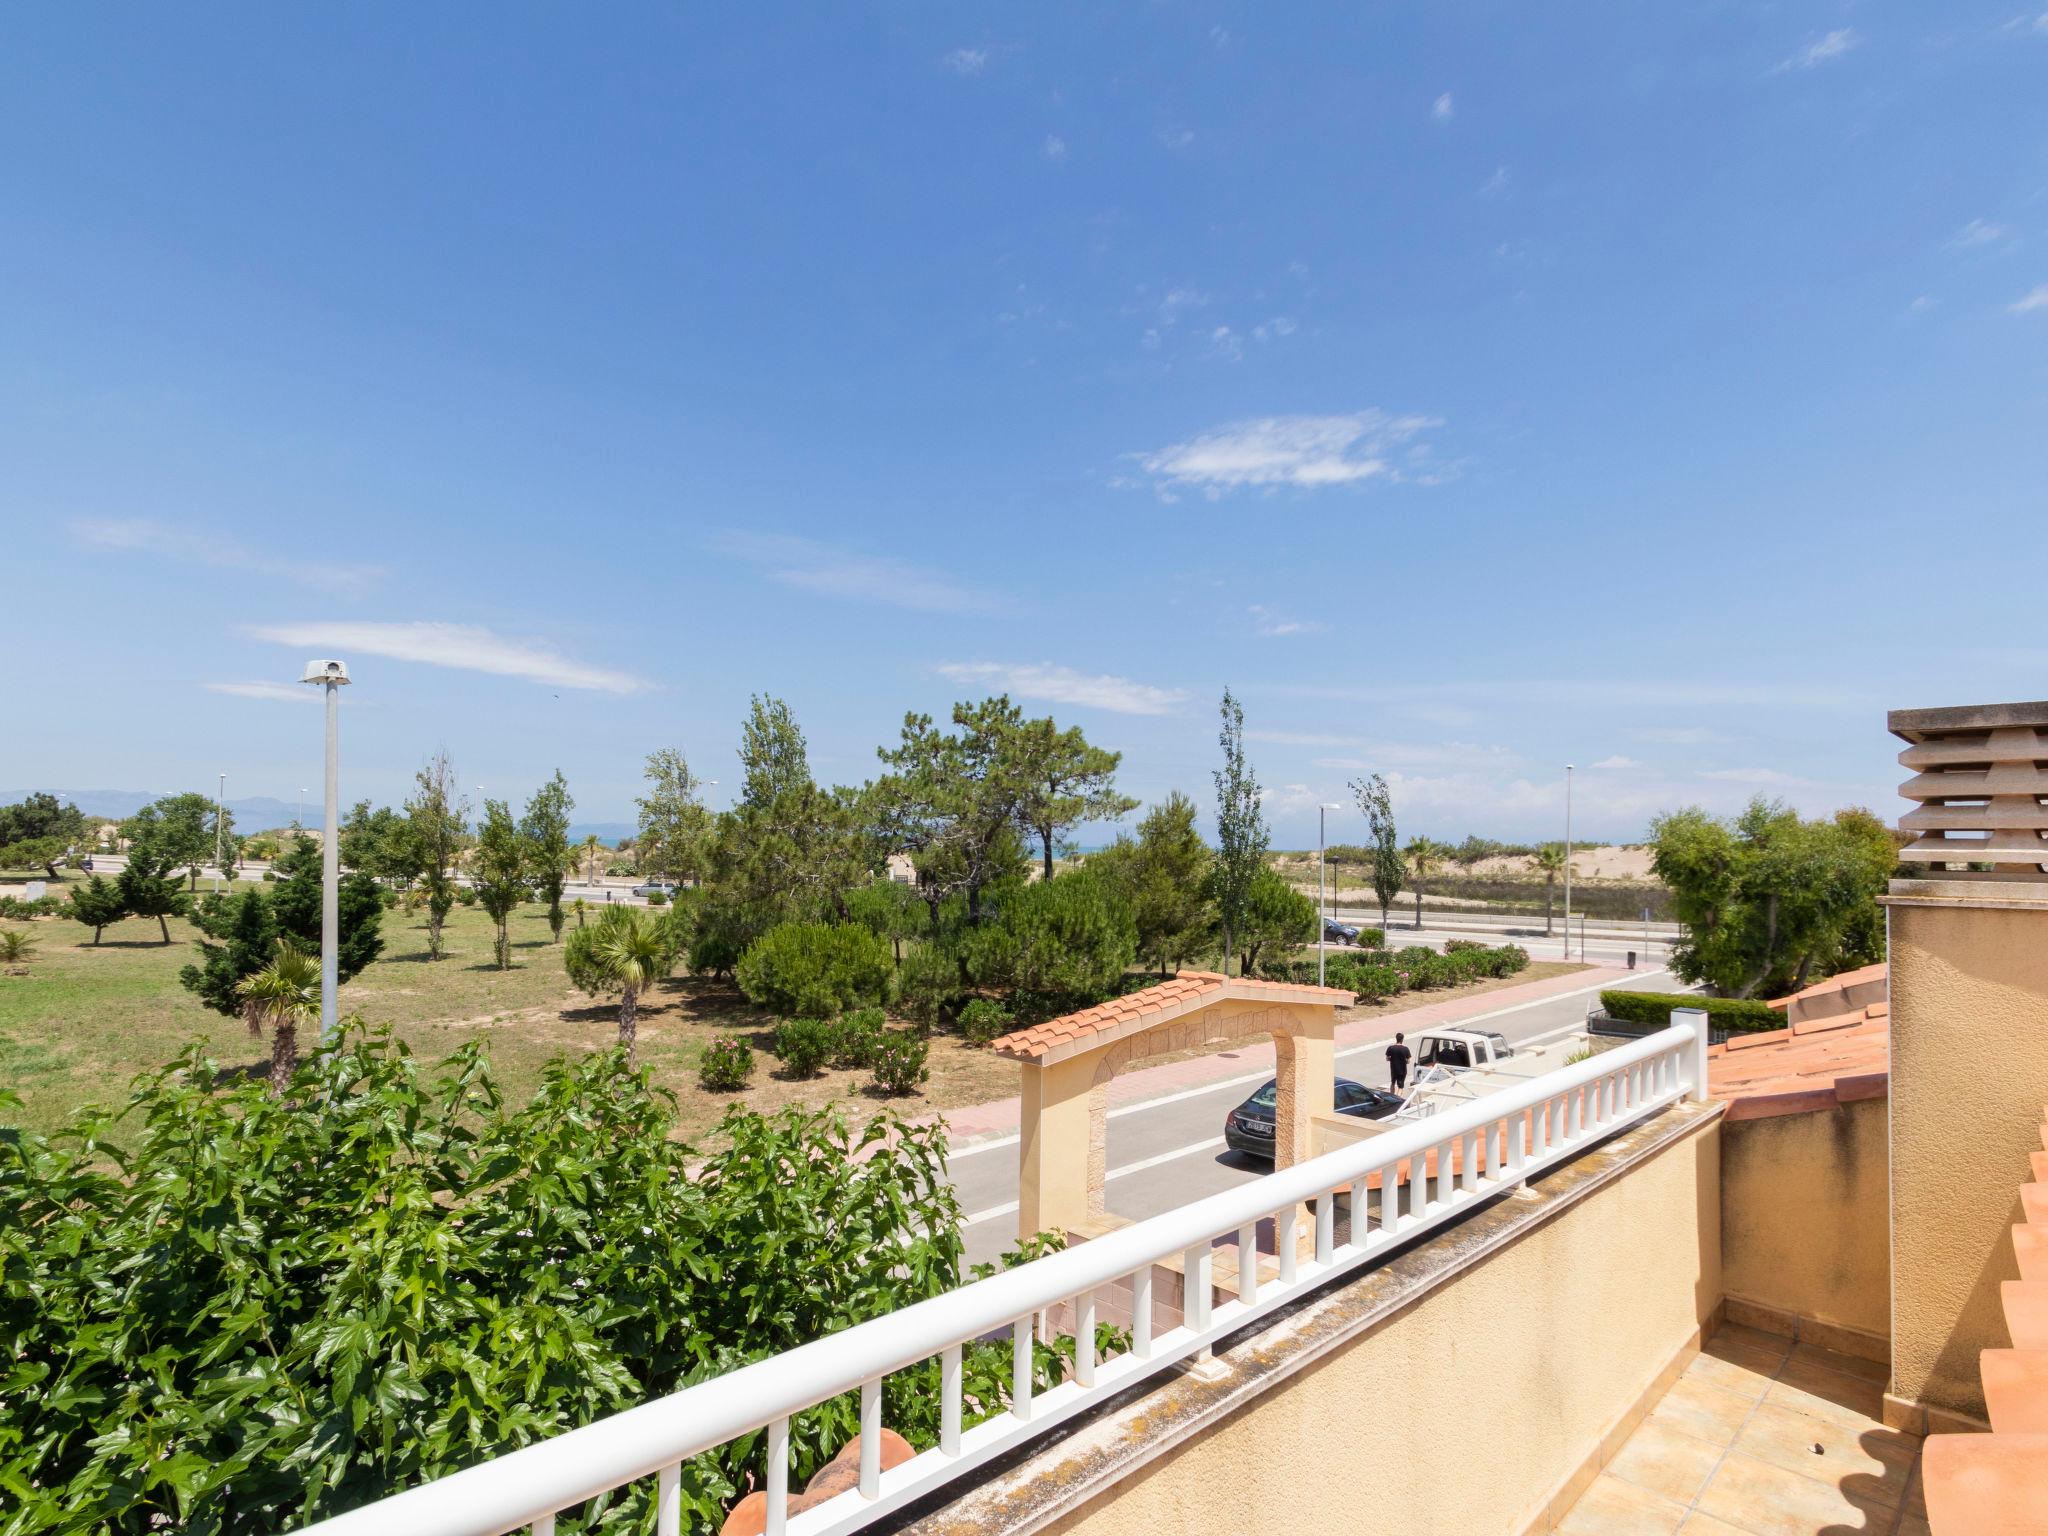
<point>77,1023</point>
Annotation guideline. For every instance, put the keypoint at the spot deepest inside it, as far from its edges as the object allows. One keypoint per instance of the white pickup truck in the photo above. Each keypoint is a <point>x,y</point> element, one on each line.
<point>1460,1050</point>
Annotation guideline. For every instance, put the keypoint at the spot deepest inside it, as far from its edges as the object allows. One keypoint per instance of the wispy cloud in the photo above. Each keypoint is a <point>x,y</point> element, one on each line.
<point>965,61</point>
<point>2032,302</point>
<point>1763,777</point>
<point>1055,147</point>
<point>1176,138</point>
<point>1064,685</point>
<point>1616,763</point>
<point>1495,184</point>
<point>275,693</point>
<point>1273,625</point>
<point>1677,735</point>
<point>840,572</point>
<point>1977,232</point>
<point>1442,108</point>
<point>1273,329</point>
<point>464,647</point>
<point>1823,49</point>
<point>142,535</point>
<point>1306,452</point>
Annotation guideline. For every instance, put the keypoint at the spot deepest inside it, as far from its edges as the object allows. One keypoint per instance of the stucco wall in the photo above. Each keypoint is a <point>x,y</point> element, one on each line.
<point>1463,1414</point>
<point>1804,1215</point>
<point>1969,1074</point>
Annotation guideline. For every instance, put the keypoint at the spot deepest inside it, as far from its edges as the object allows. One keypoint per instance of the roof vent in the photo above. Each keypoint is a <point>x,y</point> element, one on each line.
<point>1978,785</point>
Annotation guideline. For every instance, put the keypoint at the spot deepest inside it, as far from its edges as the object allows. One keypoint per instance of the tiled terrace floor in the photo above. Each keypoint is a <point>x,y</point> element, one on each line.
<point>1762,1437</point>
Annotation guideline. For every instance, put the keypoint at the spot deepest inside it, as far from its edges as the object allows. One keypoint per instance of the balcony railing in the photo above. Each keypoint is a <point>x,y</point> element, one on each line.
<point>1514,1133</point>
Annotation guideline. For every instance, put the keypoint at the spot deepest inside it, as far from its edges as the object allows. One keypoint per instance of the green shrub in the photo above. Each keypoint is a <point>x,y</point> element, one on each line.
<point>804,1045</point>
<point>657,898</point>
<point>545,1248</point>
<point>855,1035</point>
<point>1375,983</point>
<point>1372,938</point>
<point>899,1064</point>
<point>1460,946</point>
<point>1513,959</point>
<point>466,894</point>
<point>1054,945</point>
<point>726,1064</point>
<point>928,985</point>
<point>1740,1014</point>
<point>42,906</point>
<point>816,970</point>
<point>984,1020</point>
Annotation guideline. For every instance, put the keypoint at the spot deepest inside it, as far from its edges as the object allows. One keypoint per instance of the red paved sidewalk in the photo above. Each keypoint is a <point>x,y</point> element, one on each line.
<point>981,1122</point>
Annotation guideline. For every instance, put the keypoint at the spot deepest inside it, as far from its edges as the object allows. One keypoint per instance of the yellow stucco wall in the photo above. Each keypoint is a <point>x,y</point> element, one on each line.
<point>1462,1415</point>
<point>1804,1215</point>
<point>1969,1072</point>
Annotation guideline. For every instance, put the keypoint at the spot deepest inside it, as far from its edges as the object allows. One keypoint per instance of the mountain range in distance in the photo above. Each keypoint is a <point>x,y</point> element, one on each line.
<point>260,813</point>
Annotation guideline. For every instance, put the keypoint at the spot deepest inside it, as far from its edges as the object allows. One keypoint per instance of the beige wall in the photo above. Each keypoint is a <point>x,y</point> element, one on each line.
<point>1464,1414</point>
<point>1804,1216</point>
<point>1969,1072</point>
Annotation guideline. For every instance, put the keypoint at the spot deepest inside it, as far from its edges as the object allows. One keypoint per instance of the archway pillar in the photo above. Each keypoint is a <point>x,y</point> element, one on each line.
<point>1307,1074</point>
<point>1055,1189</point>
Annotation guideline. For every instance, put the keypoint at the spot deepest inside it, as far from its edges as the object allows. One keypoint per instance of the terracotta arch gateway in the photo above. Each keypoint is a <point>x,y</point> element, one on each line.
<point>1068,1063</point>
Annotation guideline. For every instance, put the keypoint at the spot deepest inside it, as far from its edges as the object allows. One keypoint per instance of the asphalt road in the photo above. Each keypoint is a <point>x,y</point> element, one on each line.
<point>1167,1151</point>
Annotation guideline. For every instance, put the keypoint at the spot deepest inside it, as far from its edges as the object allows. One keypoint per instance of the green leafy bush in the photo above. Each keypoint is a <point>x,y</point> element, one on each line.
<point>816,970</point>
<point>928,984</point>
<point>899,1064</point>
<point>984,1020</point>
<point>804,1045</point>
<point>1375,983</point>
<point>726,1064</point>
<point>1371,938</point>
<point>200,1297</point>
<point>466,895</point>
<point>1731,1013</point>
<point>42,906</point>
<point>1054,945</point>
<point>855,1036</point>
<point>1459,946</point>
<point>657,898</point>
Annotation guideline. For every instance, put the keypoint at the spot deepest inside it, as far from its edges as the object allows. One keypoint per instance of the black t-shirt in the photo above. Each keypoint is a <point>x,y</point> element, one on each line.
<point>1397,1058</point>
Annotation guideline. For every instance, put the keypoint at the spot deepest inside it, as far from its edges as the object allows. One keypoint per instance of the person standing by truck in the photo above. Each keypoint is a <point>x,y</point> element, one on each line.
<point>1397,1062</point>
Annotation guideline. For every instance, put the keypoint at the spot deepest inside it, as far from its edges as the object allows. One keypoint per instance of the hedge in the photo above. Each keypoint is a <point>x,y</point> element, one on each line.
<point>1740,1014</point>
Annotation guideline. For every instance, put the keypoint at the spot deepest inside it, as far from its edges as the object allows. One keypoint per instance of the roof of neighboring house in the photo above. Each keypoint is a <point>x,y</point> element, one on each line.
<point>1814,1063</point>
<point>1186,993</point>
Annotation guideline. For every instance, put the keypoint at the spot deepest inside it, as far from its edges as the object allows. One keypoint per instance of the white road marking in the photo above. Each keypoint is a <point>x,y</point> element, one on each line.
<point>996,1144</point>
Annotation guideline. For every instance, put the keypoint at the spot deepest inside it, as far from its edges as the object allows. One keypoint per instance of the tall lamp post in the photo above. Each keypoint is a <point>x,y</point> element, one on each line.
<point>332,676</point>
<point>1568,866</point>
<point>1322,898</point>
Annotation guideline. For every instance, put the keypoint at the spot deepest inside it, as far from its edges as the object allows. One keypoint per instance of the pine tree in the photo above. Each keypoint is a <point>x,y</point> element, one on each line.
<point>97,904</point>
<point>248,938</point>
<point>1241,833</point>
<point>148,887</point>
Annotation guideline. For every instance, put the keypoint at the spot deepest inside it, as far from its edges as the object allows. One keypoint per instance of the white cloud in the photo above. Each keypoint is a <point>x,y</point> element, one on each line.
<point>464,647</point>
<point>276,693</point>
<point>965,61</point>
<point>1770,777</point>
<point>1441,109</point>
<point>1178,300</point>
<point>1977,232</point>
<point>1273,625</point>
<point>1495,184</point>
<point>1617,763</point>
<point>1227,343</point>
<point>1176,138</point>
<point>1921,305</point>
<point>1302,451</point>
<point>1291,799</point>
<point>144,535</point>
<point>1055,147</point>
<point>1278,326</point>
<point>2037,300</point>
<point>1063,685</point>
<point>1676,735</point>
<point>840,572</point>
<point>1831,45</point>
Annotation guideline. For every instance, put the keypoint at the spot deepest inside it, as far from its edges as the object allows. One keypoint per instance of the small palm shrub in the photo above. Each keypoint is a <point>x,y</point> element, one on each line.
<point>804,1045</point>
<point>900,1062</point>
<point>726,1065</point>
<point>16,947</point>
<point>855,1036</point>
<point>984,1020</point>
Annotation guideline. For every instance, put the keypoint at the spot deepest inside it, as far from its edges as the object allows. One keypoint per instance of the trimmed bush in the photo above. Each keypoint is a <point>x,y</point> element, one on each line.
<point>804,1045</point>
<point>1374,983</point>
<point>1740,1014</point>
<point>1372,938</point>
<point>42,906</point>
<point>928,984</point>
<point>726,1064</point>
<point>816,970</point>
<point>1459,946</point>
<point>900,1060</point>
<point>855,1035</point>
<point>984,1020</point>
<point>657,899</point>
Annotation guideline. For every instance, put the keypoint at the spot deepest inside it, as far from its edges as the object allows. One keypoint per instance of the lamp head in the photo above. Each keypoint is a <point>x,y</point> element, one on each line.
<point>325,672</point>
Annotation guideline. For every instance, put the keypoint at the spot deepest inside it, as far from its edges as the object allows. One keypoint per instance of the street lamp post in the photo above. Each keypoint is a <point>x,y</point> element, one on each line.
<point>1568,867</point>
<point>1322,898</point>
<point>332,676</point>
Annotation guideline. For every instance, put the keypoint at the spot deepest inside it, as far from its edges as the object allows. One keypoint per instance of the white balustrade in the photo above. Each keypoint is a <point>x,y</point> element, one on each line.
<point>1517,1132</point>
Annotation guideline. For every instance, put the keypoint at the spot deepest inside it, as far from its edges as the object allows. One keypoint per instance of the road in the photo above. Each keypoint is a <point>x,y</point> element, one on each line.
<point>1603,944</point>
<point>1167,1151</point>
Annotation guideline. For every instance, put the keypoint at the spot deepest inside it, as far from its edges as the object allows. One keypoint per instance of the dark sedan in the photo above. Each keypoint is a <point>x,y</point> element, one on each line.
<point>1342,933</point>
<point>1249,1127</point>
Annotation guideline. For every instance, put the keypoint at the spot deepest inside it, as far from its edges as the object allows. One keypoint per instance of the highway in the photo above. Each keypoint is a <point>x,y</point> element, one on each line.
<point>1169,1150</point>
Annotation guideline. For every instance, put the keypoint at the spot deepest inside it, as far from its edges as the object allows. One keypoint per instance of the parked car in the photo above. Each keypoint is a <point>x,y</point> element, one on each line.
<point>1342,933</point>
<point>1249,1127</point>
<point>666,888</point>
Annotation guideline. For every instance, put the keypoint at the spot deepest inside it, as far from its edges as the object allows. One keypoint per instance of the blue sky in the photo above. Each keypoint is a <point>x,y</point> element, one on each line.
<point>1655,388</point>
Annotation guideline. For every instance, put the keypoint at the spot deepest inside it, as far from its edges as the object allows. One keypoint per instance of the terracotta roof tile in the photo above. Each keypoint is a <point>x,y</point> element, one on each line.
<point>1162,1000</point>
<point>1815,1065</point>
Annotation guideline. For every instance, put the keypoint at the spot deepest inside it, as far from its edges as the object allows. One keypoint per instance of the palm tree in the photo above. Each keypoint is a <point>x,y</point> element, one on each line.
<point>1549,859</point>
<point>16,947</point>
<point>625,951</point>
<point>589,849</point>
<point>284,995</point>
<point>1425,854</point>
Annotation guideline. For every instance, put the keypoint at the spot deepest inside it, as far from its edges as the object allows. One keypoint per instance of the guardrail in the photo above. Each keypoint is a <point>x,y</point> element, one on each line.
<point>1516,1132</point>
